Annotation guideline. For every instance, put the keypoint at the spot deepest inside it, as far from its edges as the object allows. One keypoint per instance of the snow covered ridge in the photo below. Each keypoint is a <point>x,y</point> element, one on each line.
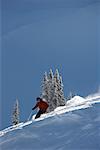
<point>75,103</point>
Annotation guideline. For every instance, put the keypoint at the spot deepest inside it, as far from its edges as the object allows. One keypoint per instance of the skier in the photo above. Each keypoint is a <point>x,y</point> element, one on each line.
<point>42,105</point>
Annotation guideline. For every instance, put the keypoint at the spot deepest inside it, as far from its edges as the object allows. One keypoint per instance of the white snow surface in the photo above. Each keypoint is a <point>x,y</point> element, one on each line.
<point>75,103</point>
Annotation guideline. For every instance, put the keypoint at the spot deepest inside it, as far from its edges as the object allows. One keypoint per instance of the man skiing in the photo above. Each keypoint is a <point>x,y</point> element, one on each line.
<point>42,105</point>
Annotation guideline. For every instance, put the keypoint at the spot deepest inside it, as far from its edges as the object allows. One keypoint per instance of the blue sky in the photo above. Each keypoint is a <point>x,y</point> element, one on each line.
<point>41,34</point>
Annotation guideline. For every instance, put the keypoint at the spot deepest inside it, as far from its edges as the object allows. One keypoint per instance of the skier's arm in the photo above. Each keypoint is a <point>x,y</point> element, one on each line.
<point>35,106</point>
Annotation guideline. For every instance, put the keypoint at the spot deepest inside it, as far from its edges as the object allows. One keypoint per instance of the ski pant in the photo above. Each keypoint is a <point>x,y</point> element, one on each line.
<point>39,113</point>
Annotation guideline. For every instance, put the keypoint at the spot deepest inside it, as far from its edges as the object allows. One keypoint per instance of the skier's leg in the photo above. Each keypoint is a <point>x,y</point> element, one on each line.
<point>38,114</point>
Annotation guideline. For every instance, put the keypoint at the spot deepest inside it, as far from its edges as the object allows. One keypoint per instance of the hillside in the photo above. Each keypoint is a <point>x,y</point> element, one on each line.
<point>71,127</point>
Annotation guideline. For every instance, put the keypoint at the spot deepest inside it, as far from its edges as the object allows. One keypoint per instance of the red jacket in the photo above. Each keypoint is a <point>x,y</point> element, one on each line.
<point>41,105</point>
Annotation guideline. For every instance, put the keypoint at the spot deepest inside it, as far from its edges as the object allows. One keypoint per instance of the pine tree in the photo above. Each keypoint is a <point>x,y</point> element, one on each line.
<point>61,93</point>
<point>52,90</point>
<point>60,100</point>
<point>55,95</point>
<point>15,114</point>
<point>44,86</point>
<point>56,89</point>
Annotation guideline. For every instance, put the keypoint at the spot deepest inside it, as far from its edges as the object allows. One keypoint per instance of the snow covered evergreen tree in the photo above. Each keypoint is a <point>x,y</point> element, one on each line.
<point>59,94</point>
<point>55,95</point>
<point>52,90</point>
<point>45,90</point>
<point>15,114</point>
<point>56,89</point>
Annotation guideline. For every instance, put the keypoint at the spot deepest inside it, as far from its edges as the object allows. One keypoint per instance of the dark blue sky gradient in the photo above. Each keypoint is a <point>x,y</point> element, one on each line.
<point>41,34</point>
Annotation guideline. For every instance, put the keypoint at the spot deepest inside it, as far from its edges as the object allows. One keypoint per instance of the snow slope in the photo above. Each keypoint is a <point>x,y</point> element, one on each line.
<point>75,103</point>
<point>71,127</point>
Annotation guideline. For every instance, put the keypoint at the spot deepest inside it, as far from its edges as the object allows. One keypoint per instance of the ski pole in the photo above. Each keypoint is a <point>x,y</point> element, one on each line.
<point>30,116</point>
